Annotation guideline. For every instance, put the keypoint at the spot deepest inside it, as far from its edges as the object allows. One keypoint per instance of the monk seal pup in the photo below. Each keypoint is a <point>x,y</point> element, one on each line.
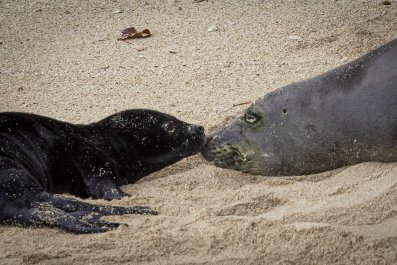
<point>40,156</point>
<point>345,116</point>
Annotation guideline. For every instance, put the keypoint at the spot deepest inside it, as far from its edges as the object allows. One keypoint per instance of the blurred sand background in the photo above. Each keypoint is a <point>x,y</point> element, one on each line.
<point>62,59</point>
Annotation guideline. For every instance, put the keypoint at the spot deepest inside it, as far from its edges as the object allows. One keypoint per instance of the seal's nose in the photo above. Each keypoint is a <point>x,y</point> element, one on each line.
<point>195,130</point>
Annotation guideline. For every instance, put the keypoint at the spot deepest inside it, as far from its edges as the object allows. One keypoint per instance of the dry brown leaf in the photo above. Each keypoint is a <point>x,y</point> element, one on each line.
<point>132,33</point>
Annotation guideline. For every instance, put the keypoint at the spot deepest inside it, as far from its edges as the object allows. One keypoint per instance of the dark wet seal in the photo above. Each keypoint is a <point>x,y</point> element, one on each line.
<point>40,157</point>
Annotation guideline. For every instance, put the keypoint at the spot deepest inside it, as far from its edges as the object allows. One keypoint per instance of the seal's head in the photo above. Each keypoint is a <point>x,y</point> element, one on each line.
<point>231,147</point>
<point>248,143</point>
<point>153,137</point>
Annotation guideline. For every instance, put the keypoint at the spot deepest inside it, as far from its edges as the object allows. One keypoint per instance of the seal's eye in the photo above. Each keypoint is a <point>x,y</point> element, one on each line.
<point>251,117</point>
<point>169,127</point>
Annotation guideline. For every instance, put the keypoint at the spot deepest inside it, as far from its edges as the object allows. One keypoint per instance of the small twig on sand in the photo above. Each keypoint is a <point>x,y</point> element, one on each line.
<point>243,103</point>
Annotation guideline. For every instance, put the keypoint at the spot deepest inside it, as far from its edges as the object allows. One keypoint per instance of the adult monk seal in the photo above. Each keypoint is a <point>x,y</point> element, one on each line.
<point>345,116</point>
<point>40,156</point>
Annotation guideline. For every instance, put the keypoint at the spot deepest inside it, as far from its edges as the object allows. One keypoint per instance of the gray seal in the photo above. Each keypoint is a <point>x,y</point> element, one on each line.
<point>345,116</point>
<point>41,157</point>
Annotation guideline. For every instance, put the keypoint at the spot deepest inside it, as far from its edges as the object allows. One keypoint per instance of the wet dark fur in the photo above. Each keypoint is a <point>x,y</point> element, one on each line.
<point>40,156</point>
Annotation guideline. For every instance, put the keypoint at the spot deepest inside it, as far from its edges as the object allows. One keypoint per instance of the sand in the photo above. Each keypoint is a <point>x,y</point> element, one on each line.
<point>62,59</point>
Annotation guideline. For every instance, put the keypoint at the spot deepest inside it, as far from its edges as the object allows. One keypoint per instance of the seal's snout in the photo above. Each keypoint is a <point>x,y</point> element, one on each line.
<point>224,149</point>
<point>227,156</point>
<point>195,130</point>
<point>197,138</point>
<point>213,141</point>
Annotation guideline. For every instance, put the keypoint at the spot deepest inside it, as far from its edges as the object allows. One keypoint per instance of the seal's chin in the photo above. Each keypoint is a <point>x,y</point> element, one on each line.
<point>187,148</point>
<point>192,146</point>
<point>228,156</point>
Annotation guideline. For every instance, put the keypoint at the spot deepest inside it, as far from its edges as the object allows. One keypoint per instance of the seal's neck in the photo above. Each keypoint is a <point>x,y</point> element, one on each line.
<point>129,160</point>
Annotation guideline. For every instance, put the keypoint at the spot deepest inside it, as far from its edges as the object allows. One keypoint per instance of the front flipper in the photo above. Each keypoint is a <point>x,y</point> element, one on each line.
<point>73,205</point>
<point>81,222</point>
<point>47,209</point>
<point>98,171</point>
<point>100,187</point>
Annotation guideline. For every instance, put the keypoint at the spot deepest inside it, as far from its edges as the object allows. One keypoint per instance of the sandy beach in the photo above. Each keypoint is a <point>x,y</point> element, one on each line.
<point>204,63</point>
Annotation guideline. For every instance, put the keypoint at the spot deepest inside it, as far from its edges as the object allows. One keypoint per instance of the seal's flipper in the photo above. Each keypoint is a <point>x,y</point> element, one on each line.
<point>31,210</point>
<point>97,177</point>
<point>46,209</point>
<point>73,205</point>
<point>84,222</point>
<point>103,188</point>
<point>23,201</point>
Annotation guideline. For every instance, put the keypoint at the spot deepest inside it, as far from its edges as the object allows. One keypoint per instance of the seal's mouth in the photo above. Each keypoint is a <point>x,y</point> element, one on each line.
<point>193,146</point>
<point>187,148</point>
<point>227,156</point>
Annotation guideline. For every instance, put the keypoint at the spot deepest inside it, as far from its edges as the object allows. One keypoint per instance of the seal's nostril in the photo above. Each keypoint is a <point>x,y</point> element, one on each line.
<point>192,129</point>
<point>200,129</point>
